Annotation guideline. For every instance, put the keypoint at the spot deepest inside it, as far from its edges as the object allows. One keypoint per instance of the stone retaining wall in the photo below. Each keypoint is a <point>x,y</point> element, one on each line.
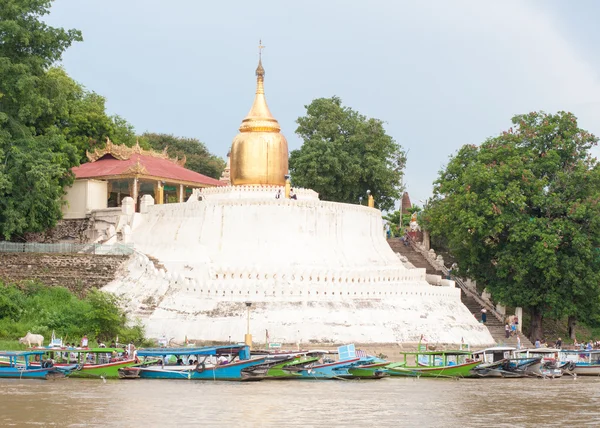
<point>77,272</point>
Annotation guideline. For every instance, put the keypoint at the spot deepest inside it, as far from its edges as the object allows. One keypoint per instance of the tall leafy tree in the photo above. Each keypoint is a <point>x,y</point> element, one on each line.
<point>198,157</point>
<point>344,154</point>
<point>35,159</point>
<point>521,213</point>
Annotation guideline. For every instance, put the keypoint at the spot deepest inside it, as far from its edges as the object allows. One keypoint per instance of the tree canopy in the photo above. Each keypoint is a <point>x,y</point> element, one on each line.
<point>521,214</point>
<point>198,157</point>
<point>344,154</point>
<point>48,121</point>
<point>35,157</point>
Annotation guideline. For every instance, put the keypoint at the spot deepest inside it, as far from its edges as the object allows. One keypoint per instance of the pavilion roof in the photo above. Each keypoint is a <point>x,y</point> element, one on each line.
<point>121,161</point>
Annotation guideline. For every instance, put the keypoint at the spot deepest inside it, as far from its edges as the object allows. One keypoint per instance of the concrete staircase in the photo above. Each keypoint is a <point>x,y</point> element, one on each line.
<point>414,257</point>
<point>494,325</point>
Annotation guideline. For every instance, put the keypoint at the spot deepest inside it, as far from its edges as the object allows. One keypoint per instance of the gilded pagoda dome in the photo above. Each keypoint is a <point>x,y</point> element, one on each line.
<point>259,153</point>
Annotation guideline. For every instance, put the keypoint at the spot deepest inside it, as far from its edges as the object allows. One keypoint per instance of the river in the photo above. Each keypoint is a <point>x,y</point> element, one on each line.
<point>388,402</point>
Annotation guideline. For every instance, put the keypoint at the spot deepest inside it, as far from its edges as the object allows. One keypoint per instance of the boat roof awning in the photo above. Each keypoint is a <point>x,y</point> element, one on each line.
<point>20,353</point>
<point>539,350</point>
<point>80,350</point>
<point>495,349</point>
<point>206,350</point>
<point>456,352</point>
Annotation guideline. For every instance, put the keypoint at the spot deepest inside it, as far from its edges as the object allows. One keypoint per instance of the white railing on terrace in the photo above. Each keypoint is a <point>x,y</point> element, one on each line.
<point>66,248</point>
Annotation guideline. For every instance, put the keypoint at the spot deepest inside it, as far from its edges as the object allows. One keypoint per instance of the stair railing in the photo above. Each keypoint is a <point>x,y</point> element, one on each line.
<point>466,289</point>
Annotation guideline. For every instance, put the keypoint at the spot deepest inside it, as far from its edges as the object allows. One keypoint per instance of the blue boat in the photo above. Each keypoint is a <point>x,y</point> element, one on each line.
<point>349,365</point>
<point>230,362</point>
<point>23,365</point>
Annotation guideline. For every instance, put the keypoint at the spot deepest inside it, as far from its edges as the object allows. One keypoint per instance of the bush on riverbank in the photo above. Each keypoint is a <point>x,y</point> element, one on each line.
<point>42,309</point>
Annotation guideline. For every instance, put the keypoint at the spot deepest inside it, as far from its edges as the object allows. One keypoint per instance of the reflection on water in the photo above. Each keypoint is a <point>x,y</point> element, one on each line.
<point>387,402</point>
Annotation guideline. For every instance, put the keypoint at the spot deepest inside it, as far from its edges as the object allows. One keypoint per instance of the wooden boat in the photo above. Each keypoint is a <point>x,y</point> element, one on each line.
<point>235,364</point>
<point>93,362</point>
<point>351,364</point>
<point>19,365</point>
<point>290,366</point>
<point>584,363</point>
<point>439,364</point>
<point>499,361</point>
<point>548,366</point>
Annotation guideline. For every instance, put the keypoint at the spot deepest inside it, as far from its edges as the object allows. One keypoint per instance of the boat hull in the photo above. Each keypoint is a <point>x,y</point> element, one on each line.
<point>231,371</point>
<point>459,370</point>
<point>586,369</point>
<point>32,373</point>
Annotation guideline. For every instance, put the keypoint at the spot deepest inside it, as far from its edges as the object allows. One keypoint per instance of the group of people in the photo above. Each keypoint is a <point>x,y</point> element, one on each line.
<point>292,194</point>
<point>511,326</point>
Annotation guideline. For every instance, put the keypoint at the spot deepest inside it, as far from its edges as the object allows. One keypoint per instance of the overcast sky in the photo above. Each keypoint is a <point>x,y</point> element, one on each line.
<point>440,73</point>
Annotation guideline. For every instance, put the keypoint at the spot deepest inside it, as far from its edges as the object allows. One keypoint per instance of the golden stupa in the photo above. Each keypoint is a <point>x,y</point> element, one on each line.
<point>259,153</point>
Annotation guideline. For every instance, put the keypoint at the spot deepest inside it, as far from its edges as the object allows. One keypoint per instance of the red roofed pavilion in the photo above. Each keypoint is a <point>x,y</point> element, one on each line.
<point>134,172</point>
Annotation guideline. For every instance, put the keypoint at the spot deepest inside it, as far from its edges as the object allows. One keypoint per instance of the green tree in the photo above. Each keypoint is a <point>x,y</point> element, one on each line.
<point>198,157</point>
<point>35,157</point>
<point>344,154</point>
<point>80,115</point>
<point>521,213</point>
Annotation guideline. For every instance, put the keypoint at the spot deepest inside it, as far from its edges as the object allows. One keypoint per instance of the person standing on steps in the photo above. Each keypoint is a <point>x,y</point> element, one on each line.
<point>518,342</point>
<point>507,330</point>
<point>483,315</point>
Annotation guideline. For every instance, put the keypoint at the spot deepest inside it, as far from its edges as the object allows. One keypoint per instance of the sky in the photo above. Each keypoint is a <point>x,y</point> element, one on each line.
<point>439,73</point>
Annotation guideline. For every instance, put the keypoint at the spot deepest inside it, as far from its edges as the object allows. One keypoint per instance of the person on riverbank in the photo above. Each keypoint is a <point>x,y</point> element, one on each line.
<point>538,344</point>
<point>558,344</point>
<point>483,315</point>
<point>518,342</point>
<point>507,330</point>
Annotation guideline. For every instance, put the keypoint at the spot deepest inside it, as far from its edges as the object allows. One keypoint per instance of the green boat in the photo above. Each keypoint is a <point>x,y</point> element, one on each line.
<point>288,369</point>
<point>92,362</point>
<point>440,364</point>
<point>370,371</point>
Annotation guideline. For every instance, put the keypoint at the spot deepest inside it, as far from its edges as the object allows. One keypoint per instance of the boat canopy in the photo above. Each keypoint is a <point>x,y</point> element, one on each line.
<point>80,350</point>
<point>20,353</point>
<point>495,349</point>
<point>455,352</point>
<point>243,350</point>
<point>538,350</point>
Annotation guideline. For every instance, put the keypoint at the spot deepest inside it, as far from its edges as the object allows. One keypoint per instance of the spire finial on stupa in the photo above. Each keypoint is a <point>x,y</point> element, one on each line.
<point>259,153</point>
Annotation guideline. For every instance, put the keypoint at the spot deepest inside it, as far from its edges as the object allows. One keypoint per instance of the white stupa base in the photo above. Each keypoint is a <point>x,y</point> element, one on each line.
<point>309,313</point>
<point>313,271</point>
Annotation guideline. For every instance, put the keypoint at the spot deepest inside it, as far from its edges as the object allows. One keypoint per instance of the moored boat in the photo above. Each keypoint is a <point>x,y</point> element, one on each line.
<point>92,362</point>
<point>232,362</point>
<point>579,362</point>
<point>351,364</point>
<point>548,366</point>
<point>439,364</point>
<point>496,362</point>
<point>18,364</point>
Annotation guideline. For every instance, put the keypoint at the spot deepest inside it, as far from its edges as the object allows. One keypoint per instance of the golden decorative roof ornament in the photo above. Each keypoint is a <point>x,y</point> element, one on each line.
<point>137,169</point>
<point>260,118</point>
<point>259,153</point>
<point>122,152</point>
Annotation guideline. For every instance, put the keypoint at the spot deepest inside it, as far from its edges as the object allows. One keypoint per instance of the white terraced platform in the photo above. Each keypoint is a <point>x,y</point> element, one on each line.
<point>313,270</point>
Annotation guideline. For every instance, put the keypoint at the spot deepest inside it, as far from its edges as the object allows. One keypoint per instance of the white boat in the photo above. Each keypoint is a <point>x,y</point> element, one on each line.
<point>585,363</point>
<point>549,365</point>
<point>497,361</point>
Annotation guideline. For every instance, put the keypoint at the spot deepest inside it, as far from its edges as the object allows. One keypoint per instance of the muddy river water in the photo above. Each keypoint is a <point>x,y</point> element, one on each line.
<point>388,402</point>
